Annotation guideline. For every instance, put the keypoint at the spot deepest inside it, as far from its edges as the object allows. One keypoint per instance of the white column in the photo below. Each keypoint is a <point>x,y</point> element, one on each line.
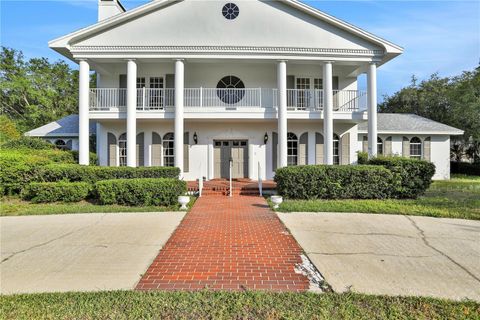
<point>179,123</point>
<point>328,113</point>
<point>83,116</point>
<point>311,156</point>
<point>131,113</point>
<point>282,113</point>
<point>372,109</point>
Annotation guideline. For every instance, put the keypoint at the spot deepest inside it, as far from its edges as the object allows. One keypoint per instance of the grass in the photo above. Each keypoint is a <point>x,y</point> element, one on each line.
<point>14,206</point>
<point>228,305</point>
<point>456,198</point>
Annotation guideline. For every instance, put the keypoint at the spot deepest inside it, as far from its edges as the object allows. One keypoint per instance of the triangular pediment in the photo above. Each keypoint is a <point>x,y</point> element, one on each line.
<point>270,24</point>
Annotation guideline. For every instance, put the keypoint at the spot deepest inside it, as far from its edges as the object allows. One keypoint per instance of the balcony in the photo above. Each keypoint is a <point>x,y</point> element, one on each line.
<point>198,99</point>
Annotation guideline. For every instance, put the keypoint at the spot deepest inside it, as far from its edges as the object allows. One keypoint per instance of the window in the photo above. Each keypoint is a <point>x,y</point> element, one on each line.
<point>60,144</point>
<point>230,89</point>
<point>230,11</point>
<point>415,148</point>
<point>379,145</point>
<point>122,150</point>
<point>292,149</point>
<point>336,149</point>
<point>168,150</point>
<point>141,83</point>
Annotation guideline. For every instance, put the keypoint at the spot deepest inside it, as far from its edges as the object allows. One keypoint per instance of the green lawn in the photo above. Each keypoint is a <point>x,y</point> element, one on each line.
<point>456,198</point>
<point>225,305</point>
<point>14,206</point>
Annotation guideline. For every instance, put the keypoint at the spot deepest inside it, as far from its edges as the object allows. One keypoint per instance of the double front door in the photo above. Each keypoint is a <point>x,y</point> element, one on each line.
<point>230,150</point>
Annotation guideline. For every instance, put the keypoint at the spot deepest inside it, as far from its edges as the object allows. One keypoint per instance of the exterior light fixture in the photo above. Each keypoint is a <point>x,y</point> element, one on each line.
<point>195,138</point>
<point>265,138</point>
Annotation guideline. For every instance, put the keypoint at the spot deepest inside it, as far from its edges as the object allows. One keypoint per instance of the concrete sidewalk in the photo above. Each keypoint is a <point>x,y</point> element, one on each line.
<point>392,254</point>
<point>80,252</point>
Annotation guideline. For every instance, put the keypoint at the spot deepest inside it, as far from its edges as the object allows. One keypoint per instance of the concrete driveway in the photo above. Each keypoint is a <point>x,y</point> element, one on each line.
<point>80,252</point>
<point>392,254</point>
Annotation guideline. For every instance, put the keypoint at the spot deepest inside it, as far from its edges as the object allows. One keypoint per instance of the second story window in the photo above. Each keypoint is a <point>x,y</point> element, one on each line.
<point>230,89</point>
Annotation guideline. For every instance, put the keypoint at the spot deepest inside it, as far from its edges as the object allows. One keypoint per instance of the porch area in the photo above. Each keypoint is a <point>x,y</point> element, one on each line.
<point>239,187</point>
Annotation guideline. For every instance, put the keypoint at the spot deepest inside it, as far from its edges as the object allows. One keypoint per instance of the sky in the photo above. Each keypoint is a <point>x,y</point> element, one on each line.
<point>438,36</point>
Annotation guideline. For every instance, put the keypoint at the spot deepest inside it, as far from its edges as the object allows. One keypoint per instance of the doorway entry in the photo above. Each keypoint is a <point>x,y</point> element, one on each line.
<point>237,150</point>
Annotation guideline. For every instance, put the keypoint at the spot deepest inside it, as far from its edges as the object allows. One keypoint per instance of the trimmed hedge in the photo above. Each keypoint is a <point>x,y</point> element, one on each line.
<point>140,192</point>
<point>415,175</point>
<point>93,158</point>
<point>56,191</point>
<point>472,169</point>
<point>362,157</point>
<point>335,182</point>
<point>92,174</point>
<point>25,142</point>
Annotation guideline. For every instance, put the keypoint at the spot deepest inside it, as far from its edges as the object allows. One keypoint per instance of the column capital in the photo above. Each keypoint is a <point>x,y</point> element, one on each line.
<point>283,60</point>
<point>373,63</point>
<point>179,59</point>
<point>82,60</point>
<point>328,62</point>
<point>131,59</point>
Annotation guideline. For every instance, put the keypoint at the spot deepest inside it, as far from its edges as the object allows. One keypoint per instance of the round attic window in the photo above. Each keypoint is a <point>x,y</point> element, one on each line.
<point>230,90</point>
<point>230,11</point>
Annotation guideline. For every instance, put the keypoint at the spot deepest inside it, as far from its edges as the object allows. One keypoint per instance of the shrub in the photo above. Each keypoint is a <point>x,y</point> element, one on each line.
<point>362,157</point>
<point>28,143</point>
<point>416,175</point>
<point>335,182</point>
<point>56,191</point>
<point>140,192</point>
<point>92,174</point>
<point>93,158</point>
<point>465,168</point>
<point>8,129</point>
<point>20,167</point>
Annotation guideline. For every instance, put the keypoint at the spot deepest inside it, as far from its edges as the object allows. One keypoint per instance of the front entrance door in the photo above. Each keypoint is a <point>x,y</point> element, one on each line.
<point>226,149</point>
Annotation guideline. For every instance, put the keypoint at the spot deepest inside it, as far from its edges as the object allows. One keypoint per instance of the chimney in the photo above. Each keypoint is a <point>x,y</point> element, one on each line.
<point>109,8</point>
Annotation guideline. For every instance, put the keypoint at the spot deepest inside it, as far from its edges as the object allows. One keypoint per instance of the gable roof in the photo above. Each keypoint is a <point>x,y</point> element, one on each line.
<point>64,44</point>
<point>408,123</point>
<point>64,127</point>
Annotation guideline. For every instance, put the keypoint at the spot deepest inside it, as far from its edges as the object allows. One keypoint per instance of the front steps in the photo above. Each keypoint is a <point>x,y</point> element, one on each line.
<point>239,186</point>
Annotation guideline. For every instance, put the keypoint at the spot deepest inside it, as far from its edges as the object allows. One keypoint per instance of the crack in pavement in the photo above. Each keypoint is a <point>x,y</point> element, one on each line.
<point>425,241</point>
<point>53,240</point>
<point>364,253</point>
<point>364,234</point>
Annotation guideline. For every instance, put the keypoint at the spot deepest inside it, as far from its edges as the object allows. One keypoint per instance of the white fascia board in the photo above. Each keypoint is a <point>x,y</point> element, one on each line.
<point>449,133</point>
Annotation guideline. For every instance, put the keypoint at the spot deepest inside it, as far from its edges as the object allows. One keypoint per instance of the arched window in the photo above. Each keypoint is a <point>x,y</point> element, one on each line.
<point>168,150</point>
<point>336,149</point>
<point>230,89</point>
<point>416,148</point>
<point>60,144</point>
<point>292,149</point>
<point>122,150</point>
<point>379,145</point>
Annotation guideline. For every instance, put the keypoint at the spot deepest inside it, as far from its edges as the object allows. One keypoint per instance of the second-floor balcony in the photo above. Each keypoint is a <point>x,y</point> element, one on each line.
<point>198,99</point>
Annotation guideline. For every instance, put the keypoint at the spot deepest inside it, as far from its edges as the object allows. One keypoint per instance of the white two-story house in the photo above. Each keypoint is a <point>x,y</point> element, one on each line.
<point>200,84</point>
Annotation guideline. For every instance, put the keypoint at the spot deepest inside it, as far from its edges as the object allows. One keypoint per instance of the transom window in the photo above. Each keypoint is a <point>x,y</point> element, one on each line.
<point>379,145</point>
<point>122,150</point>
<point>230,11</point>
<point>292,149</point>
<point>416,148</point>
<point>168,150</point>
<point>336,149</point>
<point>230,89</point>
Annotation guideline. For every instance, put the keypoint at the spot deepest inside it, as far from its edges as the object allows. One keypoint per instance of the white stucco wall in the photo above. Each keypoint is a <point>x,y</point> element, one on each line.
<point>440,150</point>
<point>201,154</point>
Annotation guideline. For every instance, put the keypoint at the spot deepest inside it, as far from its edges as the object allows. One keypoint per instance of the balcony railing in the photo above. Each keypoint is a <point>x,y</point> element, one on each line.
<point>148,99</point>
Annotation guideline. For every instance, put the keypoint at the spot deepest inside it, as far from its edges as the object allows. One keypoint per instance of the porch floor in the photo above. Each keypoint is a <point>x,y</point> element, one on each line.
<point>230,244</point>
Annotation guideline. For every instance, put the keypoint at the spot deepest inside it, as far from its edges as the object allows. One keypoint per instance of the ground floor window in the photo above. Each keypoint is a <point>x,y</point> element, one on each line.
<point>379,145</point>
<point>336,149</point>
<point>415,148</point>
<point>60,144</point>
<point>168,150</point>
<point>122,150</point>
<point>292,149</point>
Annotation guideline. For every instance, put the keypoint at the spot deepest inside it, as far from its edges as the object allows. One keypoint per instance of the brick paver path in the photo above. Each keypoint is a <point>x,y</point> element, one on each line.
<point>231,244</point>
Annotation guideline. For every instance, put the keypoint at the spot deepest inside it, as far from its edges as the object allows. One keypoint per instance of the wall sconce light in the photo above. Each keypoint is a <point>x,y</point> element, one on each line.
<point>195,138</point>
<point>265,138</point>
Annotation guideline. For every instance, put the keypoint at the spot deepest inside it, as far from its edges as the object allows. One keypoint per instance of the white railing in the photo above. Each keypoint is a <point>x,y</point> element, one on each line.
<point>151,99</point>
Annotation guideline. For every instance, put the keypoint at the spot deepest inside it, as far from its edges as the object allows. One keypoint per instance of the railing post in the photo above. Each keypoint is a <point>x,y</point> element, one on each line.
<point>201,96</point>
<point>143,97</point>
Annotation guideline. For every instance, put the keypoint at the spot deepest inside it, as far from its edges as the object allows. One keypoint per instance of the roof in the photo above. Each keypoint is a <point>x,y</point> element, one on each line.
<point>65,43</point>
<point>65,127</point>
<point>408,123</point>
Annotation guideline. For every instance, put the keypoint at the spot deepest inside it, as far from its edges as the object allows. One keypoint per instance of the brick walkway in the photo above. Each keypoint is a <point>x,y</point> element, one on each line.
<point>231,244</point>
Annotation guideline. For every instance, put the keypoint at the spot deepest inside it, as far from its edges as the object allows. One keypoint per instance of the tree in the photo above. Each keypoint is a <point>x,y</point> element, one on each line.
<point>8,130</point>
<point>36,91</point>
<point>454,101</point>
